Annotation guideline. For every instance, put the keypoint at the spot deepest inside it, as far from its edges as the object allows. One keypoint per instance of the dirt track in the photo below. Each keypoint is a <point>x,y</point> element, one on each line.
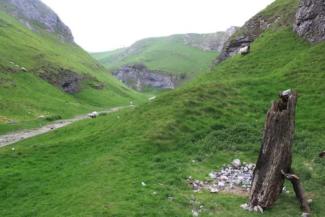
<point>24,134</point>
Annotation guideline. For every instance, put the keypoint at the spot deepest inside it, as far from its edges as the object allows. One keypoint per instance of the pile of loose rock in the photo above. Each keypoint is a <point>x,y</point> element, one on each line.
<point>236,177</point>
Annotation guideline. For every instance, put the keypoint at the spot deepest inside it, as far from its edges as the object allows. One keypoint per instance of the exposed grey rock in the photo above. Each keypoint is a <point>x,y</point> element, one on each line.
<point>138,76</point>
<point>310,20</point>
<point>252,29</point>
<point>238,177</point>
<point>31,12</point>
<point>67,80</point>
<point>247,207</point>
<point>244,37</point>
<point>209,42</point>
<point>236,163</point>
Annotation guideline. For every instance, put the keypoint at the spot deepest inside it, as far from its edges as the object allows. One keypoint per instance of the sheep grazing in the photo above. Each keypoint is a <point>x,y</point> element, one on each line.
<point>244,50</point>
<point>93,115</point>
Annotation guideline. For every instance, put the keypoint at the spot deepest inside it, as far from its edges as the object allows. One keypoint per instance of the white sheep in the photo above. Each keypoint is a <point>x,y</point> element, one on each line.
<point>93,115</point>
<point>244,50</point>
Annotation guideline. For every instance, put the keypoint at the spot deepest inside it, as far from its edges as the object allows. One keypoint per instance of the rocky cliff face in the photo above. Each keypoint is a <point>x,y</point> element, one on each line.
<point>209,42</point>
<point>31,12</point>
<point>138,77</point>
<point>254,27</point>
<point>67,80</point>
<point>246,35</point>
<point>310,20</point>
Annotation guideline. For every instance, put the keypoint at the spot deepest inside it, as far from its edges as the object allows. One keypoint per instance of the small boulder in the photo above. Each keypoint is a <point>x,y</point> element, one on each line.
<point>236,163</point>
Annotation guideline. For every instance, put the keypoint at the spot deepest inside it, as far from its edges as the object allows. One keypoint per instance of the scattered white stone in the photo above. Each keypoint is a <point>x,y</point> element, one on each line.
<point>251,166</point>
<point>244,206</point>
<point>195,213</point>
<point>154,193</point>
<point>236,163</point>
<point>309,201</point>
<point>143,184</point>
<point>13,149</point>
<point>251,209</point>
<point>212,175</point>
<point>213,189</point>
<point>221,184</point>
<point>229,177</point>
<point>305,214</point>
<point>224,178</point>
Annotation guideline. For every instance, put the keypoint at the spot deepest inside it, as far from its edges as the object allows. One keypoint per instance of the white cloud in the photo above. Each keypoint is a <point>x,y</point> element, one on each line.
<point>100,25</point>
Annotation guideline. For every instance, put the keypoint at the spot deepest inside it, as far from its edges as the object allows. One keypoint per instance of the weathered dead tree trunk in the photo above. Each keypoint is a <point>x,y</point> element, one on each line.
<point>299,191</point>
<point>275,153</point>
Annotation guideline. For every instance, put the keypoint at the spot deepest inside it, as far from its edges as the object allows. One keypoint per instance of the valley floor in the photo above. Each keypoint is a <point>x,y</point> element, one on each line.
<point>11,138</point>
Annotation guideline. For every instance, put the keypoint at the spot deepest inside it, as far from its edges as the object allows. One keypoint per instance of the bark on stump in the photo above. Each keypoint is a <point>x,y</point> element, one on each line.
<point>275,153</point>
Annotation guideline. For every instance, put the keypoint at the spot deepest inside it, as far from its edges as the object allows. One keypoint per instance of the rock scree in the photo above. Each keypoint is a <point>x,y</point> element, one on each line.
<point>234,178</point>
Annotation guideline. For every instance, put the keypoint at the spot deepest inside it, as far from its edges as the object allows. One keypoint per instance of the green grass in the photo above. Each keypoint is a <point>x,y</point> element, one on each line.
<point>95,167</point>
<point>168,54</point>
<point>24,96</point>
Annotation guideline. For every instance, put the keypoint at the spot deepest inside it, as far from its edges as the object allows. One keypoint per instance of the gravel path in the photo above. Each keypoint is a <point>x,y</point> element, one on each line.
<point>24,134</point>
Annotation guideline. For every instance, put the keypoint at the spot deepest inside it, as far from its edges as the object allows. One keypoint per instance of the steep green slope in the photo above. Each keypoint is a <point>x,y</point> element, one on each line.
<point>169,54</point>
<point>24,96</point>
<point>95,167</point>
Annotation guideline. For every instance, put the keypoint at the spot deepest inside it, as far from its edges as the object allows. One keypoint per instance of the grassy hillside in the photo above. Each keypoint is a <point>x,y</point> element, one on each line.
<point>95,167</point>
<point>168,54</point>
<point>24,96</point>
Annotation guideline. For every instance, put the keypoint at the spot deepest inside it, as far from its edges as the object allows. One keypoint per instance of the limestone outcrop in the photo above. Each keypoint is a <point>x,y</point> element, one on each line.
<point>138,77</point>
<point>310,20</point>
<point>34,14</point>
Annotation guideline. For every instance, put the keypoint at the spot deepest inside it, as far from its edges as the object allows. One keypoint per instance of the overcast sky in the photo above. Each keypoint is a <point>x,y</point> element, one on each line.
<point>100,25</point>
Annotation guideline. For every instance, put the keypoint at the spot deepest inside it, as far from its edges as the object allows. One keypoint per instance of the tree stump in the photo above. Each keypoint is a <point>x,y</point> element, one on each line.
<point>275,153</point>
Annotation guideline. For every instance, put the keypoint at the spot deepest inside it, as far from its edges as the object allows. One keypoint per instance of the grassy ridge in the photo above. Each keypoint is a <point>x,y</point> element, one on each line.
<point>95,168</point>
<point>24,96</point>
<point>168,54</point>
